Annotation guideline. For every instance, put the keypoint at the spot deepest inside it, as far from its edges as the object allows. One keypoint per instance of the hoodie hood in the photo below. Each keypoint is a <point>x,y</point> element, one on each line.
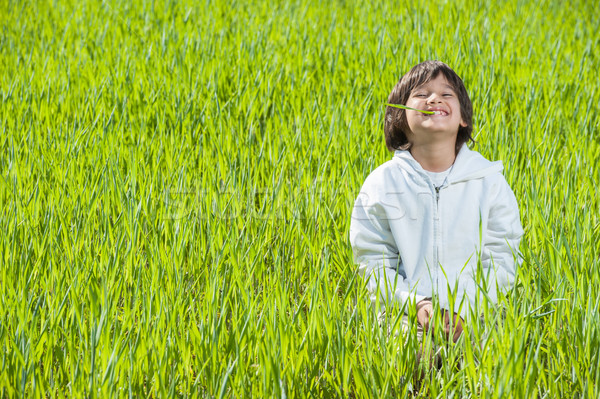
<point>469,165</point>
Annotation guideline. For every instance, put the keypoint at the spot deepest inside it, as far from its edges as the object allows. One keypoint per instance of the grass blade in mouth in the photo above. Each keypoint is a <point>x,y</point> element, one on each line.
<point>412,109</point>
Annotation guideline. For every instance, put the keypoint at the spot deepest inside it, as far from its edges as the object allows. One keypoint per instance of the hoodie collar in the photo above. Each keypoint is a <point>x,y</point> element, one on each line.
<point>468,165</point>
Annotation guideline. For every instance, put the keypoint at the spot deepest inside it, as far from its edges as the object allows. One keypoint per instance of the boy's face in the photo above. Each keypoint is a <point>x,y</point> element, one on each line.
<point>436,95</point>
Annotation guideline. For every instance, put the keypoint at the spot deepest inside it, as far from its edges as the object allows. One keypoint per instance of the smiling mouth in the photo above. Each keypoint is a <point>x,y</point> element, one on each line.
<point>443,113</point>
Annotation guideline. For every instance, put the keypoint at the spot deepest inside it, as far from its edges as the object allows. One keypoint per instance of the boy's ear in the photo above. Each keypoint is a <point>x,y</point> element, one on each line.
<point>462,123</point>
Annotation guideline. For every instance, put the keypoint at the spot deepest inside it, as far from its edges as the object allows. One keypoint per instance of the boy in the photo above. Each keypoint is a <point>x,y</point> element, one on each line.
<point>428,219</point>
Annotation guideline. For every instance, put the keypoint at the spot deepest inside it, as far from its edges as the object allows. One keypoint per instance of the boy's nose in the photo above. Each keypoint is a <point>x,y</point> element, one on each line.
<point>433,98</point>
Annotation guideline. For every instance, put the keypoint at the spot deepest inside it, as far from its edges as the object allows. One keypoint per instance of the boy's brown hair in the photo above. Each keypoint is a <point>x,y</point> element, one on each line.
<point>396,125</point>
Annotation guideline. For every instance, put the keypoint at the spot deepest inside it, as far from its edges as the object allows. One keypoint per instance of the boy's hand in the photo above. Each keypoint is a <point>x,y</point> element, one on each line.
<point>424,313</point>
<point>457,325</point>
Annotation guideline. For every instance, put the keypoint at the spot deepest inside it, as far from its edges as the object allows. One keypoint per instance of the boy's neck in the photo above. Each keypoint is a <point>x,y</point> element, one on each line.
<point>434,156</point>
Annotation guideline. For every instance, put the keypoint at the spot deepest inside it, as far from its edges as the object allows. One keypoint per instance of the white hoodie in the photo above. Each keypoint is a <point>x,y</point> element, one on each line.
<point>412,241</point>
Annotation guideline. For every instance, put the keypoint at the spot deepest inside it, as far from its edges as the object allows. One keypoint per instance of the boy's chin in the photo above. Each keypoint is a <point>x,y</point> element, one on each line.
<point>436,126</point>
<point>439,131</point>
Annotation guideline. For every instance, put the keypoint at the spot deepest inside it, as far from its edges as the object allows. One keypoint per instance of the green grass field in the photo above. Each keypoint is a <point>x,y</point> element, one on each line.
<point>177,180</point>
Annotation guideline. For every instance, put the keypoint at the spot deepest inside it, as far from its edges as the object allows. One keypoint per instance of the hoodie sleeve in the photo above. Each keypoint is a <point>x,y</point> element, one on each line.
<point>376,253</point>
<point>500,253</point>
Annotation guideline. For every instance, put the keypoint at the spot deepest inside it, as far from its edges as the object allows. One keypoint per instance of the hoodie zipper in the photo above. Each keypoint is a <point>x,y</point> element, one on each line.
<point>436,228</point>
<point>437,234</point>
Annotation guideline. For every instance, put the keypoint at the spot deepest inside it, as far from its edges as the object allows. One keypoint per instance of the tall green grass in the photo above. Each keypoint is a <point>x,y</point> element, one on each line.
<point>177,180</point>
